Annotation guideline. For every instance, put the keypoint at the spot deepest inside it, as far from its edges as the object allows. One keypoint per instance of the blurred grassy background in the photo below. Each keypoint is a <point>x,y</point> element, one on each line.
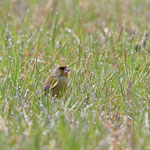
<point>108,100</point>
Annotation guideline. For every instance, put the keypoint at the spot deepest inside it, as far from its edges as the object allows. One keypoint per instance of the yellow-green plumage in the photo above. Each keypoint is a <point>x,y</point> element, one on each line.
<point>57,82</point>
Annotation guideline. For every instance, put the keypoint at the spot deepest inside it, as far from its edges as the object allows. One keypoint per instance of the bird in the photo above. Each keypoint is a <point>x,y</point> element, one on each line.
<point>57,82</point>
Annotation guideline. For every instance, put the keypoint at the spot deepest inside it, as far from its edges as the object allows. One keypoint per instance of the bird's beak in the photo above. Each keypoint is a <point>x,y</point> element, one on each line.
<point>67,70</point>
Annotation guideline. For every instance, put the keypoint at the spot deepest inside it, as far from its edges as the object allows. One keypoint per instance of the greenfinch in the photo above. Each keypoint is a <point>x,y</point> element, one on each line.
<point>57,82</point>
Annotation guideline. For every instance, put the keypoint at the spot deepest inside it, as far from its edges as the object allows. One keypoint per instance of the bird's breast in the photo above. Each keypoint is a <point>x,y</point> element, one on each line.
<point>60,87</point>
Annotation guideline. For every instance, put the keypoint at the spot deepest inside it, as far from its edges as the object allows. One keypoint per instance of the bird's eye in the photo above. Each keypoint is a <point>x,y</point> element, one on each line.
<point>61,69</point>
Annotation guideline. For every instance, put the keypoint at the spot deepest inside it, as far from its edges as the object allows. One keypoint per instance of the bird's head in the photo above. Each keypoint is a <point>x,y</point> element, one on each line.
<point>62,71</point>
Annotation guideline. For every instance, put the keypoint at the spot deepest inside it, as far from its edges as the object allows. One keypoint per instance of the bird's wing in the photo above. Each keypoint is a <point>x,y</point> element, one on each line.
<point>50,83</point>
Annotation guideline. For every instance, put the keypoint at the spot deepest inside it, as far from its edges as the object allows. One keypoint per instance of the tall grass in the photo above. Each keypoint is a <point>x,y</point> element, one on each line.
<point>108,99</point>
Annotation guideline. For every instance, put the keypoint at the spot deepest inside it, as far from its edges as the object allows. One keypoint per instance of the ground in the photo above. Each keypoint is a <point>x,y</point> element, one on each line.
<point>106,44</point>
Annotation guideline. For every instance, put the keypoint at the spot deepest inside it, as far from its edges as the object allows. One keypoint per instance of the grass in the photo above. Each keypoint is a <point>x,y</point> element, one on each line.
<point>108,101</point>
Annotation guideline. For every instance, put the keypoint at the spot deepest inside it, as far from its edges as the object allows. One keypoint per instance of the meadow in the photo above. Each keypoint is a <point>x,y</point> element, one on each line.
<point>107,46</point>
